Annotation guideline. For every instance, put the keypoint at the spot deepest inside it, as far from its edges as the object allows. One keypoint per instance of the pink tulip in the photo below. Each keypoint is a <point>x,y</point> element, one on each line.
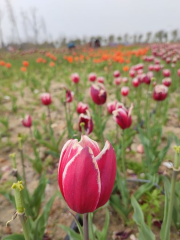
<point>46,99</point>
<point>75,77</point>
<point>125,79</point>
<point>27,121</point>
<point>166,82</point>
<point>69,96</point>
<point>98,93</point>
<point>92,77</point>
<point>117,74</point>
<point>124,91</point>
<point>86,175</point>
<point>160,92</point>
<point>178,72</point>
<point>117,81</point>
<point>132,73</point>
<point>157,68</point>
<point>135,82</point>
<point>122,116</point>
<point>81,107</point>
<point>168,60</point>
<point>87,121</point>
<point>112,106</point>
<point>151,67</point>
<point>166,73</point>
<point>100,79</point>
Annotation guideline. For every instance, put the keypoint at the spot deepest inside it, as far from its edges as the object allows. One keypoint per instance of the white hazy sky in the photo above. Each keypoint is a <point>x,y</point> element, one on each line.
<point>94,17</point>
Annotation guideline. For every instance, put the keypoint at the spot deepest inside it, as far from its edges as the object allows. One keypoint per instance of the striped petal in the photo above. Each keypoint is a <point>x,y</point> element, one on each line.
<point>87,142</point>
<point>81,182</point>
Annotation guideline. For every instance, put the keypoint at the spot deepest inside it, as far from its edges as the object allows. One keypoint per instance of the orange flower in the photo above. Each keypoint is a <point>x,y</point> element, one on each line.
<point>44,60</point>
<point>23,69</point>
<point>125,68</point>
<point>51,64</point>
<point>25,63</point>
<point>2,63</point>
<point>8,65</point>
<point>38,60</point>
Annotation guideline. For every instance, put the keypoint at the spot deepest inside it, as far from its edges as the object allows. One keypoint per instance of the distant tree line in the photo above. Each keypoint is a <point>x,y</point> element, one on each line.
<point>34,25</point>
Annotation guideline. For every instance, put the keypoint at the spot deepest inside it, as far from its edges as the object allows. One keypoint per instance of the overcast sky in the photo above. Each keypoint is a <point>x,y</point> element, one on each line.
<point>93,17</point>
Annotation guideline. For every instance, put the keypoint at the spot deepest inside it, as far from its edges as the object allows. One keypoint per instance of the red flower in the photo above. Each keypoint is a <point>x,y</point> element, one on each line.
<point>46,99</point>
<point>92,77</point>
<point>98,93</point>
<point>75,77</point>
<point>88,123</point>
<point>117,81</point>
<point>122,116</point>
<point>160,92</point>
<point>116,74</point>
<point>27,122</point>
<point>124,91</point>
<point>81,107</point>
<point>166,73</point>
<point>166,82</point>
<point>86,176</point>
<point>135,82</point>
<point>132,73</point>
<point>100,79</point>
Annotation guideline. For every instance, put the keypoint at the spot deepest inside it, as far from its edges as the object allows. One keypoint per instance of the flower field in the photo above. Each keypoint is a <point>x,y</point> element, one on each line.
<point>90,143</point>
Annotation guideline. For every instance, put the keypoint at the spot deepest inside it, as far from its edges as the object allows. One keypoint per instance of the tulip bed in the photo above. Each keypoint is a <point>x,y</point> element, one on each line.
<point>90,136</point>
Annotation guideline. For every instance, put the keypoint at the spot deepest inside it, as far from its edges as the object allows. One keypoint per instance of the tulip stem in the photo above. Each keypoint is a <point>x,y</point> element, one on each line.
<point>49,114</point>
<point>85,226</point>
<point>123,153</point>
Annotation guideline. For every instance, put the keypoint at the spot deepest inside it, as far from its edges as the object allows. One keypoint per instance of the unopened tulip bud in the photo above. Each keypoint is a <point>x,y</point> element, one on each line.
<point>92,77</point>
<point>167,82</point>
<point>124,91</point>
<point>46,99</point>
<point>117,81</point>
<point>166,73</point>
<point>135,82</point>
<point>160,92</point>
<point>98,93</point>
<point>132,73</point>
<point>117,74</point>
<point>75,77</point>
<point>100,79</point>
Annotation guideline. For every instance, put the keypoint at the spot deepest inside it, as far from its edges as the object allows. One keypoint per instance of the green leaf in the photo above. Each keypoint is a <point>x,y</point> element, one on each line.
<point>40,223</point>
<point>72,234</point>
<point>104,232</point>
<point>14,237</point>
<point>144,231</point>
<point>115,202</point>
<point>9,196</point>
<point>167,186</point>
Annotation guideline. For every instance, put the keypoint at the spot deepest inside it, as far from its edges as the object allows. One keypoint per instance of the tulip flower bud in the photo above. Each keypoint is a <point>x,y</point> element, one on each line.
<point>124,91</point>
<point>135,82</point>
<point>86,175</point>
<point>112,106</point>
<point>81,107</point>
<point>117,74</point>
<point>98,93</point>
<point>27,122</point>
<point>178,72</point>
<point>151,67</point>
<point>92,77</point>
<point>69,96</point>
<point>166,82</point>
<point>132,73</point>
<point>122,116</point>
<point>117,81</point>
<point>166,73</point>
<point>75,77</point>
<point>157,68</point>
<point>168,60</point>
<point>160,92</point>
<point>88,123</point>
<point>100,79</point>
<point>125,79</point>
<point>46,99</point>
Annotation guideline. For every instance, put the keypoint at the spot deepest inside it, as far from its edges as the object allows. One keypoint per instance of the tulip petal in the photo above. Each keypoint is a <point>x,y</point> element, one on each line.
<point>70,149</point>
<point>87,142</point>
<point>81,182</point>
<point>106,161</point>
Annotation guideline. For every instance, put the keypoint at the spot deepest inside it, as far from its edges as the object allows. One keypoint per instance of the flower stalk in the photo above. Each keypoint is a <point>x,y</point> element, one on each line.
<point>85,226</point>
